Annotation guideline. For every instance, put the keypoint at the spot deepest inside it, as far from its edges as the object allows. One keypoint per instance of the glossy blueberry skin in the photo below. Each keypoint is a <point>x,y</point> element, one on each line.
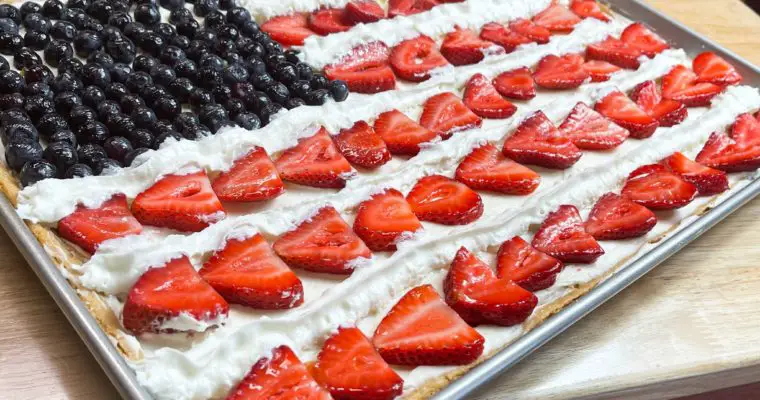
<point>181,41</point>
<point>120,72</point>
<point>25,57</point>
<point>199,98</point>
<point>319,81</point>
<point>234,107</point>
<point>247,120</point>
<point>89,153</point>
<point>214,20</point>
<point>93,132</point>
<point>137,81</point>
<point>211,61</point>
<point>180,15</point>
<point>50,124</point>
<point>70,65</point>
<point>102,58</point>
<point>167,107</point>
<point>53,9</point>
<point>117,147</point>
<point>172,55</point>
<point>87,42</point>
<point>101,10</point>
<point>19,132</point>
<point>37,106</point>
<point>163,74</point>
<point>134,30</point>
<point>35,171</point>
<point>338,90</point>
<point>63,30</point>
<point>162,126</point>
<point>152,93</point>
<point>212,115</point>
<point>141,138</point>
<point>36,40</point>
<point>188,28</point>
<point>130,157</point>
<point>57,51</point>
<point>18,154</point>
<point>64,136</point>
<point>160,139</point>
<point>96,74</point>
<point>238,16</point>
<point>10,43</point>
<point>208,78</point>
<point>121,125</point>
<point>144,63</point>
<point>185,120</point>
<point>294,102</point>
<point>202,8</point>
<point>39,88</point>
<point>37,73</point>
<point>108,108</point>
<point>196,132</point>
<point>78,171</point>
<point>4,66</point>
<point>221,93</point>
<point>10,101</point>
<point>131,102</point>
<point>10,12</point>
<point>152,43</point>
<point>197,49</point>
<point>147,14</point>
<point>37,22</point>
<point>61,154</point>
<point>121,49</point>
<point>119,20</point>
<point>227,4</point>
<point>67,82</point>
<point>80,115</point>
<point>181,89</point>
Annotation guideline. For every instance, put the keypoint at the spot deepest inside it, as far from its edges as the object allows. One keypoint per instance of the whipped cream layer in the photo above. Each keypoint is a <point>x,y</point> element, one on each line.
<point>261,10</point>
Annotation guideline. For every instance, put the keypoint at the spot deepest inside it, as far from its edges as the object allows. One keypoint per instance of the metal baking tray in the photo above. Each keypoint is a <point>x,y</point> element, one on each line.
<point>123,378</point>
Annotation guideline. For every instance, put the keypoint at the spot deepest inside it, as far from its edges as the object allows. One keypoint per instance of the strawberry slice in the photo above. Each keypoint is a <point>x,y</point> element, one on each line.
<point>438,199</point>
<point>409,7</point>
<point>328,20</point>
<point>481,97</point>
<point>350,368</point>
<point>323,243</point>
<point>413,59</point>
<point>624,112</point>
<point>362,146</point>
<point>364,12</point>
<point>538,142</point>
<point>727,154</point>
<point>614,218</point>
<point>589,130</point>
<point>463,47</point>
<point>280,377</point>
<point>588,9</point>
<point>401,134</point>
<point>486,168</point>
<point>89,227</point>
<point>422,330</point>
<point>522,264</point>
<point>654,187</point>
<point>314,161</point>
<point>532,31</point>
<point>252,178</point>
<point>746,130</point>
<point>638,36</point>
<point>707,180</point>
<point>712,68</point>
<point>503,36</point>
<point>248,272</point>
<point>557,18</point>
<point>562,236</point>
<point>183,202</point>
<point>446,114</point>
<point>365,69</point>
<point>167,291</point>
<point>565,72</point>
<point>289,30</point>
<point>615,52</point>
<point>600,71</point>
<point>667,112</point>
<point>681,84</point>
<point>516,84</point>
<point>384,219</point>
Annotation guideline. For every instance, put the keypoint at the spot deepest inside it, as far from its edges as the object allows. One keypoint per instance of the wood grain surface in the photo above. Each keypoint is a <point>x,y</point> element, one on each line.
<point>690,326</point>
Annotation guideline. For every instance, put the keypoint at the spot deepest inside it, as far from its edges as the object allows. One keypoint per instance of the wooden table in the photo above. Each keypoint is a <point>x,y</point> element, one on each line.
<point>690,326</point>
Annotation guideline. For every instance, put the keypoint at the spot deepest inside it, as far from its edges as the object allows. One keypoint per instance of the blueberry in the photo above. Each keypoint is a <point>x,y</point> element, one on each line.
<point>70,65</point>
<point>185,120</point>
<point>20,132</point>
<point>64,136</point>
<point>121,125</point>
<point>228,32</point>
<point>93,132</point>
<point>181,89</point>
<point>172,4</point>
<point>134,30</point>
<point>247,120</point>
<point>107,109</point>
<point>172,55</point>
<point>141,138</point>
<point>143,116</point>
<point>214,20</point>
<point>96,74</point>
<point>29,7</point>
<point>162,126</point>
<point>162,74</point>
<point>250,28</point>
<point>120,72</point>
<point>78,171</point>
<point>8,26</point>
<point>188,28</point>
<point>117,147</point>
<point>89,153</point>
<point>294,102</point>
<point>262,81</point>
<point>167,107</point>
<point>147,14</point>
<point>102,58</point>
<point>63,30</point>
<point>53,9</point>
<point>138,80</point>
<point>180,41</point>
<point>197,49</point>
<point>79,18</point>
<point>39,88</point>
<point>227,4</point>
<point>199,98</point>
<point>206,35</point>
<point>11,82</point>
<point>208,78</point>
<point>4,66</point>
<point>115,91</point>
<point>35,171</point>
<point>300,88</point>
<point>119,20</point>
<point>67,82</point>
<point>144,63</point>
<point>80,115</point>
<point>37,73</point>
<point>255,66</point>
<point>204,7</point>
<point>180,15</point>
<point>221,94</point>
<point>317,97</point>
<point>87,42</point>
<point>91,24</point>
<point>238,16</point>
<point>10,101</point>
<point>10,43</point>
<point>211,61</point>
<point>61,154</point>
<point>152,43</point>
<point>152,93</point>
<point>37,22</point>
<point>286,73</point>
<point>186,69</point>
<point>130,103</point>
<point>10,12</point>
<point>18,154</point>
<point>212,116</point>
<point>37,106</point>
<point>13,116</point>
<point>160,139</point>
<point>50,124</point>
<point>235,73</point>
<point>196,132</point>
<point>101,10</point>
<point>56,51</point>
<point>25,57</point>
<point>278,92</point>
<point>121,49</point>
<point>130,157</point>
<point>338,90</point>
<point>234,107</point>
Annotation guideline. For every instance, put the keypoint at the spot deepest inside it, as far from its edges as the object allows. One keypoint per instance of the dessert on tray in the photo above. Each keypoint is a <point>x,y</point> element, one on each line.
<point>242,227</point>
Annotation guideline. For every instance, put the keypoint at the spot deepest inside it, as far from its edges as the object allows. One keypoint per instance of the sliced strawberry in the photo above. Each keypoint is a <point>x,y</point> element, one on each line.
<point>251,178</point>
<point>615,52</point>
<point>624,112</point>
<point>654,187</point>
<point>562,236</point>
<point>413,59</point>
<point>522,264</point>
<point>167,291</point>
<point>503,36</point>
<point>314,161</point>
<point>384,219</point>
<point>638,36</point>
<point>707,180</point>
<point>323,243</point>
<point>463,47</point>
<point>438,199</point>
<point>564,72</point>
<point>681,84</point>
<point>401,134</point>
<point>281,377</point>
<point>328,20</point>
<point>350,368</point>
<point>182,202</point>
<point>712,68</point>
<point>89,227</point>
<point>600,71</point>
<point>248,272</point>
<point>362,146</point>
<point>364,11</point>
<point>532,31</point>
<point>538,142</point>
<point>614,218</point>
<point>481,97</point>
<point>588,9</point>
<point>422,330</point>
<point>746,130</point>
<point>557,18</point>
<point>365,69</point>
<point>667,112</point>
<point>409,7</point>
<point>589,130</point>
<point>727,154</point>
<point>446,114</point>
<point>289,30</point>
<point>516,84</point>
<point>486,168</point>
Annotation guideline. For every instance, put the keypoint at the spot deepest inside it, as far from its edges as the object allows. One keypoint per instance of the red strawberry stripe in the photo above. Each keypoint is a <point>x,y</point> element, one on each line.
<point>89,227</point>
<point>600,71</point>
<point>413,59</point>
<point>565,72</point>
<point>362,146</point>
<point>364,11</point>
<point>521,263</point>
<point>463,47</point>
<point>707,180</point>
<point>438,199</point>
<point>401,134</point>
<point>329,20</point>
<point>383,219</point>
<point>409,7</point>
<point>365,69</point>
<point>638,36</point>
<point>503,36</point>
<point>481,97</point>
<point>251,178</point>
<point>615,52</point>
<point>681,84</point>
<point>516,84</point>
<point>446,114</point>
<point>666,112</point>
<point>537,141</point>
<point>654,187</point>
<point>724,153</point>
<point>590,130</point>
<point>623,111</point>
<point>557,18</point>
<point>562,236</point>
<point>314,161</point>
<point>532,31</point>
<point>289,30</point>
<point>485,168</point>
<point>614,217</point>
<point>711,68</point>
<point>588,9</point>
<point>746,130</point>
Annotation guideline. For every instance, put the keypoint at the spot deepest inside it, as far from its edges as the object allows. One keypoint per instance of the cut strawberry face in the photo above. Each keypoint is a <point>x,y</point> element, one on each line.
<point>165,292</point>
<point>481,97</point>
<point>562,236</point>
<point>623,111</point>
<point>422,330</point>
<point>486,168</point>
<point>323,243</point>
<point>409,7</point>
<point>365,69</point>
<point>557,18</point>
<point>479,297</point>
<point>600,71</point>
<point>382,220</point>
<point>289,30</point>
<point>614,218</point>
<point>183,202</point>
<point>681,84</point>
<point>565,72</point>
<point>616,52</point>
<point>362,146</point>
<point>707,180</point>
<point>401,134</point>
<point>726,154</point>
<point>279,377</point>
<point>667,112</point>
<point>89,227</point>
<point>589,130</point>
<point>438,199</point>
<point>350,368</point>
<point>328,20</point>
<point>463,47</point>
<point>248,272</point>
<point>516,84</point>
<point>638,36</point>
<point>656,188</point>
<point>532,31</point>
<point>364,12</point>
<point>538,142</point>
<point>314,161</point>
<point>746,130</point>
<point>413,59</point>
<point>446,114</point>
<point>522,264</point>
<point>501,35</point>
<point>588,9</point>
<point>712,68</point>
<point>251,178</point>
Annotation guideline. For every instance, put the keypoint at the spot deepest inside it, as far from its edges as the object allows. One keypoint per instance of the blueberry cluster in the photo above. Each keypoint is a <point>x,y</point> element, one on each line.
<point>124,74</point>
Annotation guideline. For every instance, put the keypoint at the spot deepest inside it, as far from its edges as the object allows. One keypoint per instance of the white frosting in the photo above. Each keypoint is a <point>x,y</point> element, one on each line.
<point>262,10</point>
